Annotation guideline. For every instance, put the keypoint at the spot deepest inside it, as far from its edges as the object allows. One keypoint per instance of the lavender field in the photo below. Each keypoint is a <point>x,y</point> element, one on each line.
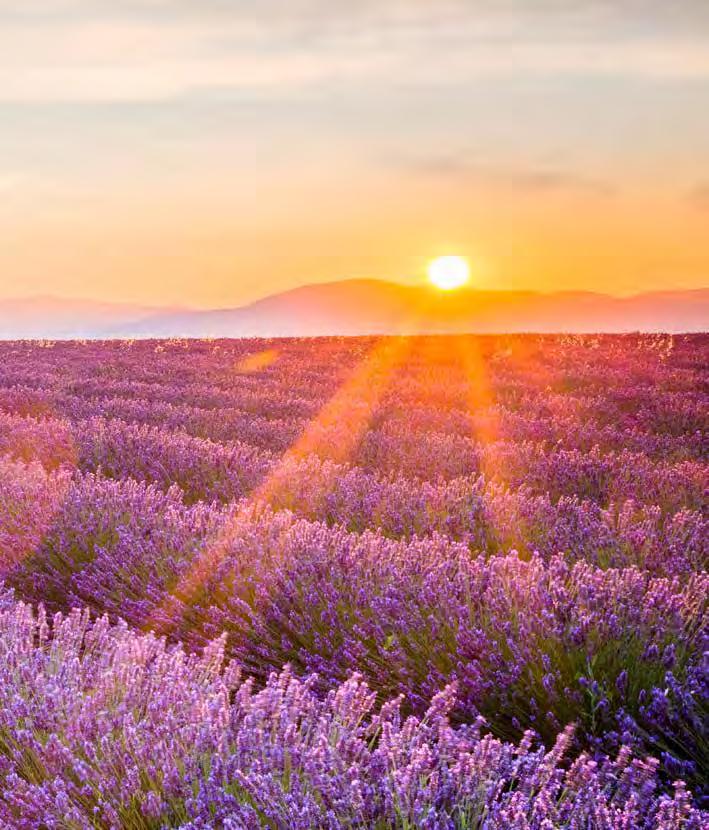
<point>431,582</point>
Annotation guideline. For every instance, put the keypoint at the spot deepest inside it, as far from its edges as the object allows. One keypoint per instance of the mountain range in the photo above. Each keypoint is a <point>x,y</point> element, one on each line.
<point>352,307</point>
<point>60,318</point>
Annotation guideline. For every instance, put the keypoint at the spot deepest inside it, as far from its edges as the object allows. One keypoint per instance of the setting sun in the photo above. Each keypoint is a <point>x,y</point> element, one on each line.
<point>449,272</point>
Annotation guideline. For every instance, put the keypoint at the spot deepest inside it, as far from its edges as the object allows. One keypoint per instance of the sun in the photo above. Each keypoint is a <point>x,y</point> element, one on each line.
<point>449,272</point>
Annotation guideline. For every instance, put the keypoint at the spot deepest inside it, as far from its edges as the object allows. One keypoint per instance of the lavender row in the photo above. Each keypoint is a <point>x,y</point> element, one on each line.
<point>529,644</point>
<point>202,383</point>
<point>105,728</point>
<point>572,426</point>
<point>208,470</point>
<point>486,517</point>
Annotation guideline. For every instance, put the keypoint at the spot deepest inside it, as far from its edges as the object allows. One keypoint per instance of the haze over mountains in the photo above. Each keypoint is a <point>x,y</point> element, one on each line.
<point>354,307</point>
<point>56,317</point>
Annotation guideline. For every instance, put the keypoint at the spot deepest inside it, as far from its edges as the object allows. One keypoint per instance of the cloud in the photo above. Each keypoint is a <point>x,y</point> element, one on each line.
<point>698,196</point>
<point>10,182</point>
<point>531,179</point>
<point>684,15</point>
<point>92,50</point>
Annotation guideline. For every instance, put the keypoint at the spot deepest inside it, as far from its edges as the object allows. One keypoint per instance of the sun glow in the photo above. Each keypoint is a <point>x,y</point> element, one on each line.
<point>449,272</point>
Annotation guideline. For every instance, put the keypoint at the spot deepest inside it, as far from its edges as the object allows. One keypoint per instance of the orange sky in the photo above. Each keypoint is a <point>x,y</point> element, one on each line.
<point>207,154</point>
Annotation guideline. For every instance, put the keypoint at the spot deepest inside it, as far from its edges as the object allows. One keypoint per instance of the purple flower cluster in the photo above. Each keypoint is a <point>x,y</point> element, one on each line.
<point>103,727</point>
<point>459,547</point>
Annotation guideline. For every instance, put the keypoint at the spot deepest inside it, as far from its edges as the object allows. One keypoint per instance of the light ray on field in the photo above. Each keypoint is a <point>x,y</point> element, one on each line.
<point>483,410</point>
<point>36,517</point>
<point>333,434</point>
<point>256,361</point>
<point>39,444</point>
<point>481,402</point>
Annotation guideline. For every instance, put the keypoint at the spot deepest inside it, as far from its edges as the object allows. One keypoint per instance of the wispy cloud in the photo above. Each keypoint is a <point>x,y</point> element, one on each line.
<point>526,179</point>
<point>9,182</point>
<point>153,49</point>
<point>698,196</point>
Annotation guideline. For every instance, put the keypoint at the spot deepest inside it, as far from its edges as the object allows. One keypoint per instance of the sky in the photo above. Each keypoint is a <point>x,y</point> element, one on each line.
<point>208,152</point>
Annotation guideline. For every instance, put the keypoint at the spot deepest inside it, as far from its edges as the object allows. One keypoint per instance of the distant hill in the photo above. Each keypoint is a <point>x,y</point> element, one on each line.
<point>375,307</point>
<point>372,307</point>
<point>56,317</point>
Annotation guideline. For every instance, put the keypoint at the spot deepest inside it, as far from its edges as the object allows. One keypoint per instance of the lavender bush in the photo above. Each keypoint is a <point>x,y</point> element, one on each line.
<point>103,727</point>
<point>420,582</point>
